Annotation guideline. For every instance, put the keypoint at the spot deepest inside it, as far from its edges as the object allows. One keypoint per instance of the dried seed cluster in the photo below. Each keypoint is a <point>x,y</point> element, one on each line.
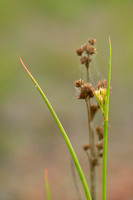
<point>86,51</point>
<point>78,83</point>
<point>87,91</point>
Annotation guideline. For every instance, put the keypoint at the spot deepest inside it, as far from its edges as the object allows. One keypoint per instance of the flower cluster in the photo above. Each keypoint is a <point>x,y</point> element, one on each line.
<point>101,94</point>
<point>86,51</point>
<point>86,89</point>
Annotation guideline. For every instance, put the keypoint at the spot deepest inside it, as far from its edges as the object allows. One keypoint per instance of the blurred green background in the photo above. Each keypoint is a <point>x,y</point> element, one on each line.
<point>45,33</point>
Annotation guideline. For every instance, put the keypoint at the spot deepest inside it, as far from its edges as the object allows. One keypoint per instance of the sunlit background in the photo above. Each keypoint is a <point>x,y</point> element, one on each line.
<point>45,34</point>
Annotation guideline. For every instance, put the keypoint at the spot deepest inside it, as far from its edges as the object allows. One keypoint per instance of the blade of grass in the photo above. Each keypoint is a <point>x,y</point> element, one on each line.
<point>67,141</point>
<point>104,174</point>
<point>47,185</point>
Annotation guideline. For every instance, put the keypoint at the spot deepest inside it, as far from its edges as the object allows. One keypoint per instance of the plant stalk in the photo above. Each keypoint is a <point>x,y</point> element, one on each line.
<point>104,173</point>
<point>92,156</point>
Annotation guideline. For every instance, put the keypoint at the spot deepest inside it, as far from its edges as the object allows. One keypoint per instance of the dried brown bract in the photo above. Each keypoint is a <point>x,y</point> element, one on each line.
<point>78,83</point>
<point>99,131</point>
<point>93,109</point>
<point>86,147</point>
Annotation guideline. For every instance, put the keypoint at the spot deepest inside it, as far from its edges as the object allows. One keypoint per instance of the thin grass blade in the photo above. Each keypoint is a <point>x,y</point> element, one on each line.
<point>66,139</point>
<point>104,174</point>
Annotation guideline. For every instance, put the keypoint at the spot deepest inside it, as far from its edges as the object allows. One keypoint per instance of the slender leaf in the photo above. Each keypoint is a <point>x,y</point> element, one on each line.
<point>67,141</point>
<point>104,174</point>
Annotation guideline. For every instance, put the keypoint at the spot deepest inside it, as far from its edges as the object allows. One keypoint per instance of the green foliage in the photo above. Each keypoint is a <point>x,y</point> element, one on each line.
<point>64,135</point>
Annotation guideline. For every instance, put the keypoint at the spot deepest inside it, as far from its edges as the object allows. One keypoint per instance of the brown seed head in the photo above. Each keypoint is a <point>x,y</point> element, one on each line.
<point>87,88</point>
<point>81,95</point>
<point>86,147</point>
<point>94,108</point>
<point>100,153</point>
<point>90,50</point>
<point>79,51</point>
<point>84,46</point>
<point>84,60</point>
<point>78,83</point>
<point>92,41</point>
<point>101,84</point>
<point>99,131</point>
<point>99,145</point>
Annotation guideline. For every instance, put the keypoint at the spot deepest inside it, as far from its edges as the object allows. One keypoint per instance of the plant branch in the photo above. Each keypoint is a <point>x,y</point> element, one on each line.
<point>92,156</point>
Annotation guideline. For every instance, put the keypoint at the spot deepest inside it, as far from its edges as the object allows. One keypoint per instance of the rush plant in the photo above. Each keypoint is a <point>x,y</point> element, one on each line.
<point>95,148</point>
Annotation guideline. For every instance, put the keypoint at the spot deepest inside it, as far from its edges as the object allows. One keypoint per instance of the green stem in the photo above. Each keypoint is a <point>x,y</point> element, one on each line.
<point>104,175</point>
<point>92,155</point>
<point>47,185</point>
<point>67,141</point>
<point>92,145</point>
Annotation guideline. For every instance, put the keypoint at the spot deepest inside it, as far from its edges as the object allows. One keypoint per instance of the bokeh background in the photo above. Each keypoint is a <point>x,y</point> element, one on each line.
<point>45,33</point>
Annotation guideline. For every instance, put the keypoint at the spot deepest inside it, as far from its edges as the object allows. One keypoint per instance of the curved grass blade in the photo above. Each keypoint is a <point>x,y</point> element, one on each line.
<point>67,141</point>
